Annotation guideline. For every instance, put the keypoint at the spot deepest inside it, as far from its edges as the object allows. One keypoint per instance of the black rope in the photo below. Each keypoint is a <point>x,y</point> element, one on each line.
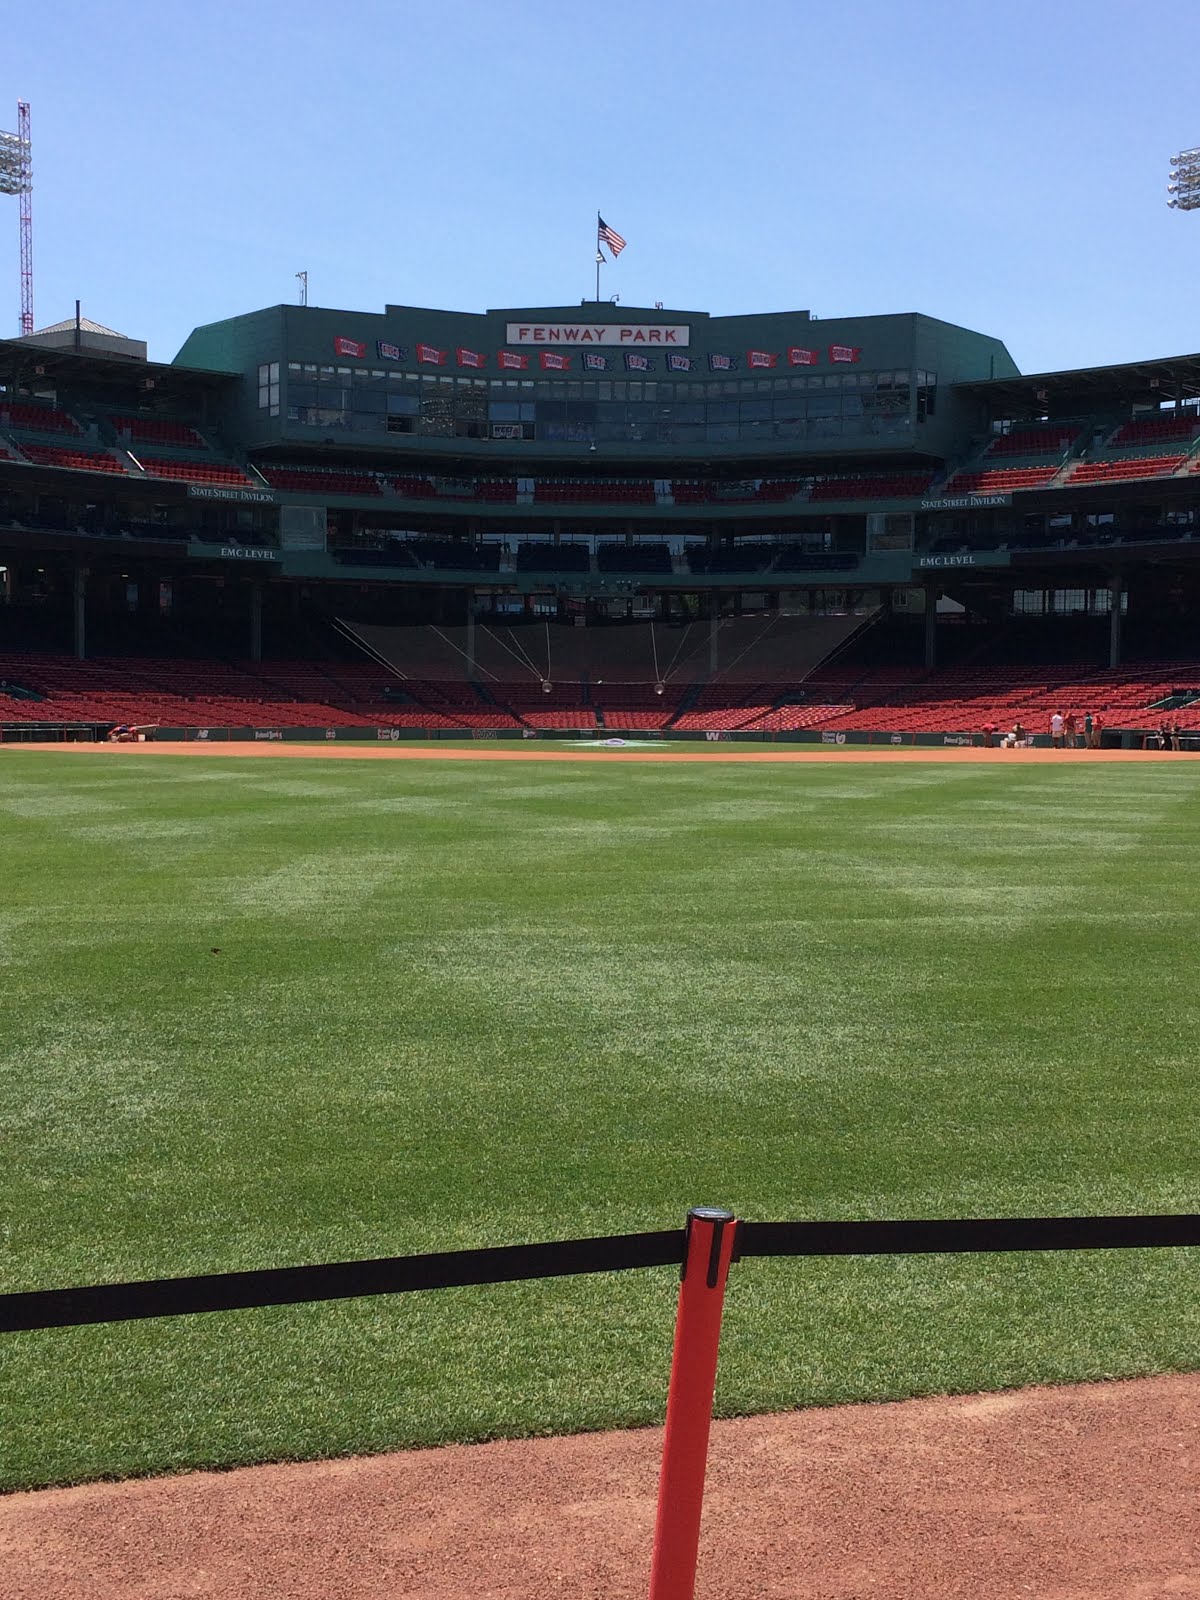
<point>342,1280</point>
<point>975,1236</point>
<point>345,1280</point>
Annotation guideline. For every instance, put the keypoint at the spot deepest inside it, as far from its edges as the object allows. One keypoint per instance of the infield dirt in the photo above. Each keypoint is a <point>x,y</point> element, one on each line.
<point>1081,1493</point>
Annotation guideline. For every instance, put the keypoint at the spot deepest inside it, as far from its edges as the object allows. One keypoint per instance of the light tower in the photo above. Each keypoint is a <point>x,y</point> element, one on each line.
<point>16,177</point>
<point>1184,187</point>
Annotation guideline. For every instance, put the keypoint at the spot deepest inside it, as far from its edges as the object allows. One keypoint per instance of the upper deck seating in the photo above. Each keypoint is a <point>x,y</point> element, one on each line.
<point>23,418</point>
<point>1050,439</point>
<point>159,431</point>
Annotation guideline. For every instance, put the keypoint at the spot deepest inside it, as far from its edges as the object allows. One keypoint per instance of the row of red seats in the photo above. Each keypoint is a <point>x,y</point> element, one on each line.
<point>37,419</point>
<point>1131,467</point>
<point>1033,441</point>
<point>719,721</point>
<point>56,455</point>
<point>299,480</point>
<point>156,430</point>
<point>999,480</point>
<point>687,492</point>
<point>634,721</point>
<point>789,719</point>
<point>194,471</point>
<point>899,486</point>
<point>581,719</point>
<point>635,493</point>
<point>1151,430</point>
<point>352,481</point>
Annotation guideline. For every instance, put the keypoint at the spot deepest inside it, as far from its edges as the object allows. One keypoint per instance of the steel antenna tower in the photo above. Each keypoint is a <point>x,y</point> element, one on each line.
<point>16,177</point>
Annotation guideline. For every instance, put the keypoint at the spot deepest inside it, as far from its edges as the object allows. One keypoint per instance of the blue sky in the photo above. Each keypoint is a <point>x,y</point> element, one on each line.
<point>1003,167</point>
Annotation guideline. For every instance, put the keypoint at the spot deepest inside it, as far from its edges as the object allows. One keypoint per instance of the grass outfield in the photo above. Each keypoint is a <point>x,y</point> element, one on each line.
<point>458,1004</point>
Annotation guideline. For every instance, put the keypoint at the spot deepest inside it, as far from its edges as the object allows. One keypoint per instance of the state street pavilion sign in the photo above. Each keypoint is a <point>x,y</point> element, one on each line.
<point>636,335</point>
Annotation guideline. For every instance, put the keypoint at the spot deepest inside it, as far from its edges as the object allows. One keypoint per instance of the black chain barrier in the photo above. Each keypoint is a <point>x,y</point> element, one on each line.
<point>345,1280</point>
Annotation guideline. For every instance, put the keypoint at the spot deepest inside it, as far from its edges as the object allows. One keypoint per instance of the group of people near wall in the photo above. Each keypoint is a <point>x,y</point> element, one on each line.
<point>1069,732</point>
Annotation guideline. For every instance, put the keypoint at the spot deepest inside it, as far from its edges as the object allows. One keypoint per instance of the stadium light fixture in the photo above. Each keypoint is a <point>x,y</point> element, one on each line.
<point>14,164</point>
<point>1184,187</point>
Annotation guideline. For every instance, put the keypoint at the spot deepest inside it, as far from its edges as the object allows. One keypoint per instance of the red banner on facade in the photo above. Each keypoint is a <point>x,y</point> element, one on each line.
<point>798,356</point>
<point>761,358</point>
<point>349,347</point>
<point>431,356</point>
<point>844,352</point>
<point>552,361</point>
<point>469,358</point>
<point>510,362</point>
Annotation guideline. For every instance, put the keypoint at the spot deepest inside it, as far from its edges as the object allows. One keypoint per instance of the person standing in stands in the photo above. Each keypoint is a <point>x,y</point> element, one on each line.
<point>1056,730</point>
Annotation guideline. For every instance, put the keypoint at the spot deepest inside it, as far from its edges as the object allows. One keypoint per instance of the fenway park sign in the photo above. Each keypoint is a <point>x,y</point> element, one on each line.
<point>658,335</point>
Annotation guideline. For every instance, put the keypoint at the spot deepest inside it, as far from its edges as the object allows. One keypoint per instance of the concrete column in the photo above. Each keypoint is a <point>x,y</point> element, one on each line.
<point>79,595</point>
<point>470,636</point>
<point>256,622</point>
<point>1116,588</point>
<point>931,600</point>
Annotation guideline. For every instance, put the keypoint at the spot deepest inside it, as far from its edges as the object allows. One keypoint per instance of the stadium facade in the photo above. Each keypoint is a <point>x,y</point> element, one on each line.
<point>589,466</point>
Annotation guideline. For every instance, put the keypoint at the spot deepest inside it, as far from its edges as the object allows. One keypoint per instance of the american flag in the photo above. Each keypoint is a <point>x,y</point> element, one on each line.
<point>608,236</point>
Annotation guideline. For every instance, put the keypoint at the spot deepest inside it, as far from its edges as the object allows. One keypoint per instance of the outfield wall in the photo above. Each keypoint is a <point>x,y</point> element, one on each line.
<point>1113,739</point>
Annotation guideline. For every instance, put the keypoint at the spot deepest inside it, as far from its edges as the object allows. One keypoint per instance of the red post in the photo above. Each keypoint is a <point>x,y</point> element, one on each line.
<point>711,1235</point>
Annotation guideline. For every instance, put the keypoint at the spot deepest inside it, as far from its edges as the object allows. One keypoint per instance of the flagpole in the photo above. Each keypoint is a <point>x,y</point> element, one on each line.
<point>599,258</point>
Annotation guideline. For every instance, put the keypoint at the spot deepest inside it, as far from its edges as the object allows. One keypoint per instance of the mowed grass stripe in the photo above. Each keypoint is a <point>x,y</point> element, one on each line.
<point>455,1005</point>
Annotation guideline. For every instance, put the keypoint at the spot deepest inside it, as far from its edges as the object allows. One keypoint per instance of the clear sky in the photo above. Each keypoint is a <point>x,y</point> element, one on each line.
<point>1000,166</point>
